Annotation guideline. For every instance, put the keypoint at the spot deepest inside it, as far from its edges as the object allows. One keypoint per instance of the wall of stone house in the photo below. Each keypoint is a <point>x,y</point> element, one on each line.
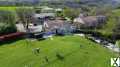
<point>20,27</point>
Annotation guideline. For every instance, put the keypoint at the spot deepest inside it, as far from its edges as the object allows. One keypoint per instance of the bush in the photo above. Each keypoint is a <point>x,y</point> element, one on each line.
<point>59,56</point>
<point>71,13</point>
<point>7,28</point>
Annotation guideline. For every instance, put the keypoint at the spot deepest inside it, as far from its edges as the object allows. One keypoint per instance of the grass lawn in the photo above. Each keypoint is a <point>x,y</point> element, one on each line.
<point>77,52</point>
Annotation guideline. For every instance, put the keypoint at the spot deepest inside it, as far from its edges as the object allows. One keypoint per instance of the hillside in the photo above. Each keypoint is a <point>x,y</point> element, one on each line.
<point>89,2</point>
<point>77,52</point>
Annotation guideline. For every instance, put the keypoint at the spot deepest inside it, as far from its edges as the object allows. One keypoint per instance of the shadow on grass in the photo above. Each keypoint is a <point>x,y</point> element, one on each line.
<point>9,41</point>
<point>41,39</point>
<point>56,59</point>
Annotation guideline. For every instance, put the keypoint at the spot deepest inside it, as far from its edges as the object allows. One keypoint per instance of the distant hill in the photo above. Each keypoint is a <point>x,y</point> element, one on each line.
<point>89,2</point>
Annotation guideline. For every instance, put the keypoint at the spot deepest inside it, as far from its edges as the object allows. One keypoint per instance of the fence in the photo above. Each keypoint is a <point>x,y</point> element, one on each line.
<point>11,36</point>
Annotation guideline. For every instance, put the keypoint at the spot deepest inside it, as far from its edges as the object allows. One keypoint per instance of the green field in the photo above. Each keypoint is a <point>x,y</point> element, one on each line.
<point>77,52</point>
<point>13,8</point>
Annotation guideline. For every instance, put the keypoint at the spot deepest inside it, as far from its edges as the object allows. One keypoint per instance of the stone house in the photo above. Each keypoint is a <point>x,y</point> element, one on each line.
<point>90,21</point>
<point>58,26</point>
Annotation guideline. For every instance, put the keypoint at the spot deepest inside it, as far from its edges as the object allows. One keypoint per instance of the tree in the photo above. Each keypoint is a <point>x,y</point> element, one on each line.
<point>25,15</point>
<point>117,27</point>
<point>85,8</point>
<point>7,22</point>
<point>71,13</point>
<point>7,16</point>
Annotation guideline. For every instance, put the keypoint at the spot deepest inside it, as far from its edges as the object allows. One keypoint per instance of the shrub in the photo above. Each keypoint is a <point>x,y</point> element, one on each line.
<point>59,56</point>
<point>6,28</point>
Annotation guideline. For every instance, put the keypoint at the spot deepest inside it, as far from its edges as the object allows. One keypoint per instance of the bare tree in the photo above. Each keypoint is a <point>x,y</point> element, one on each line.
<point>25,15</point>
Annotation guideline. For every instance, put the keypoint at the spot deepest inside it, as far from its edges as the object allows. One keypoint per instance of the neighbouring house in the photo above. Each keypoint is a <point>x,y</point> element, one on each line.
<point>45,13</point>
<point>34,28</point>
<point>89,21</point>
<point>44,16</point>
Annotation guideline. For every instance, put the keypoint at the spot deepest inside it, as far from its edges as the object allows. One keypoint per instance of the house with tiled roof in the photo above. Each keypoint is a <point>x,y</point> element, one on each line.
<point>89,21</point>
<point>58,26</point>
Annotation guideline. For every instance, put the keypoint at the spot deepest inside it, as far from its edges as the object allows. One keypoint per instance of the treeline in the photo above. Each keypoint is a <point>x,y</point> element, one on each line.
<point>61,3</point>
<point>17,3</point>
<point>9,18</point>
<point>7,22</point>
